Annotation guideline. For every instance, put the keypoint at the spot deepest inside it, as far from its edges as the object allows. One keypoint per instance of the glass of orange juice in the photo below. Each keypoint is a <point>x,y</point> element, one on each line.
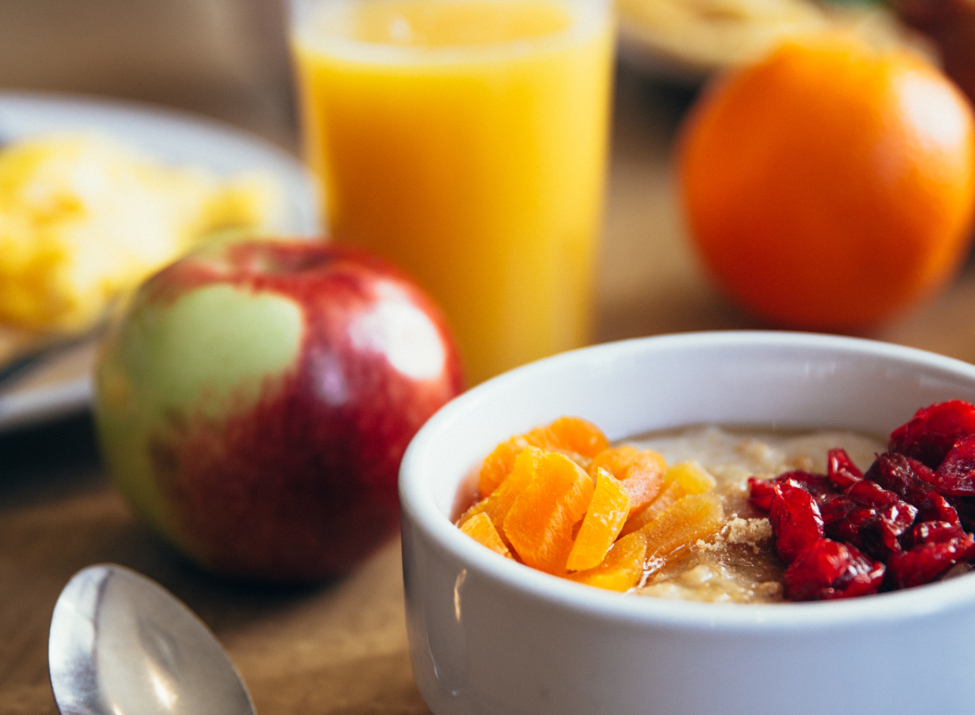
<point>466,140</point>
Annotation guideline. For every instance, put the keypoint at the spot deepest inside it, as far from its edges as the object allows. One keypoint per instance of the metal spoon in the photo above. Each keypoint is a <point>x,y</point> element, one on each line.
<point>121,644</point>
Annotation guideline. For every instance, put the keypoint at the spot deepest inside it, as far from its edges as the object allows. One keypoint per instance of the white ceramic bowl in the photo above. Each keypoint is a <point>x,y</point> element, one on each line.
<point>489,636</point>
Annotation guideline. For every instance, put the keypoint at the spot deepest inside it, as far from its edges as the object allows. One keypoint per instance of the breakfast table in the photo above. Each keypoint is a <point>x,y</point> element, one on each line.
<point>340,646</point>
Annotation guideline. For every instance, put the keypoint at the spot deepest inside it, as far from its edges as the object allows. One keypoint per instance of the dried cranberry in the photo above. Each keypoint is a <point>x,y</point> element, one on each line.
<point>841,470</point>
<point>932,532</point>
<point>761,493</point>
<point>933,431</point>
<point>836,507</point>
<point>901,524</point>
<point>965,508</point>
<point>847,528</point>
<point>900,474</point>
<point>934,507</point>
<point>880,535</point>
<point>796,520</point>
<point>911,481</point>
<point>828,570</point>
<point>868,517</point>
<point>818,485</point>
<point>867,493</point>
<point>955,477</point>
<point>929,561</point>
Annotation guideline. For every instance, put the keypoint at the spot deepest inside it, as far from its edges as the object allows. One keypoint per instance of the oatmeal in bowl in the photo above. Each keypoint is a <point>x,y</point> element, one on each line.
<point>739,564</point>
<point>706,626</point>
<point>741,516</point>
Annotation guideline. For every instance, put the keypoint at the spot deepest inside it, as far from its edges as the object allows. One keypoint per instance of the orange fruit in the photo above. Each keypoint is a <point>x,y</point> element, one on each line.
<point>831,185</point>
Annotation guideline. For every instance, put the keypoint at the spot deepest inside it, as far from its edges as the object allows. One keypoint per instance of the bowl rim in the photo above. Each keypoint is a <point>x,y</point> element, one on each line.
<point>420,511</point>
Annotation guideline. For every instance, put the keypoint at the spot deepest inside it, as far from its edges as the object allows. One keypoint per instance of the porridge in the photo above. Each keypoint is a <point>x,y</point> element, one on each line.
<point>739,563</point>
<point>733,515</point>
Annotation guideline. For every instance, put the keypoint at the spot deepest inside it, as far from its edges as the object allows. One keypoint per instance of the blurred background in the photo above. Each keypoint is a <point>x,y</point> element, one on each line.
<point>224,58</point>
<point>342,649</point>
<point>229,59</point>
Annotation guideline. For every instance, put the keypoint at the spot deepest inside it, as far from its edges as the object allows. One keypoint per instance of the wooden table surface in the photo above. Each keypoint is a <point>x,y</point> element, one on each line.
<point>340,648</point>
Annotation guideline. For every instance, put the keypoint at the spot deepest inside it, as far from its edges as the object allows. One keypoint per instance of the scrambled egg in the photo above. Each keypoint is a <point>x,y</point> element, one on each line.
<point>83,219</point>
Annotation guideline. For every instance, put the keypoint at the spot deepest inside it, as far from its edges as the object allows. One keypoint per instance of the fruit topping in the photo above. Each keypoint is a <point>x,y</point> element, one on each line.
<point>641,473</point>
<point>690,477</point>
<point>694,517</point>
<point>880,533</point>
<point>499,503</point>
<point>602,523</point>
<point>901,512</point>
<point>911,481</point>
<point>560,499</point>
<point>828,570</point>
<point>796,520</point>
<point>955,476</point>
<point>577,438</point>
<point>763,492</point>
<point>542,518</point>
<point>622,569</point>
<point>480,528</point>
<point>939,546</point>
<point>841,470</point>
<point>933,431</point>
<point>669,496</point>
<point>680,480</point>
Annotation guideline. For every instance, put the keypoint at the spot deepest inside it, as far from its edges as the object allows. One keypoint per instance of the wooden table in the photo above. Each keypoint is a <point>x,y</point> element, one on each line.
<point>341,647</point>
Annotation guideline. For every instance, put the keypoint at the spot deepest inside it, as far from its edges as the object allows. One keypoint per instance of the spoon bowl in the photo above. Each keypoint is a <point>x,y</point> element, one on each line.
<point>120,644</point>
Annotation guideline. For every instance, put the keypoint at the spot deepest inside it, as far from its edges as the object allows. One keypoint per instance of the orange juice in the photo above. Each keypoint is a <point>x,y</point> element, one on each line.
<point>465,140</point>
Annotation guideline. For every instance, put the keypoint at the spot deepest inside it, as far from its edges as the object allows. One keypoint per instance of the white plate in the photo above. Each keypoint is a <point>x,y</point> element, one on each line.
<point>62,384</point>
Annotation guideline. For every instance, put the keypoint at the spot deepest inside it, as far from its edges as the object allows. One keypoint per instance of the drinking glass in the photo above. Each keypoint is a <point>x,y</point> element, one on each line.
<point>465,140</point>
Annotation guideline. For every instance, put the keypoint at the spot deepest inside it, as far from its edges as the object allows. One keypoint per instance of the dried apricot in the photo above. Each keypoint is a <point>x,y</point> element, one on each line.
<point>480,528</point>
<point>576,435</point>
<point>602,523</point>
<point>691,476</point>
<point>541,506</point>
<point>680,480</point>
<point>694,517</point>
<point>622,568</point>
<point>499,464</point>
<point>540,523</point>
<point>671,494</point>
<point>615,460</point>
<point>572,435</point>
<point>640,471</point>
<point>499,503</point>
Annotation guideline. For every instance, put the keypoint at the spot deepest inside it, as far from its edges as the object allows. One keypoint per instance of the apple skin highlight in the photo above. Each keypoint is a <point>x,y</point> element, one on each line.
<point>256,399</point>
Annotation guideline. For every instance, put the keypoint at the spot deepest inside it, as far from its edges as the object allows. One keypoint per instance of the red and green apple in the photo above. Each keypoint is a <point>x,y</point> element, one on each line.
<point>255,401</point>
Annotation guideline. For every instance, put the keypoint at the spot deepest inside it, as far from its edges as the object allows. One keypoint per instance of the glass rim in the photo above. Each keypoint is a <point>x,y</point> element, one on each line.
<point>591,17</point>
